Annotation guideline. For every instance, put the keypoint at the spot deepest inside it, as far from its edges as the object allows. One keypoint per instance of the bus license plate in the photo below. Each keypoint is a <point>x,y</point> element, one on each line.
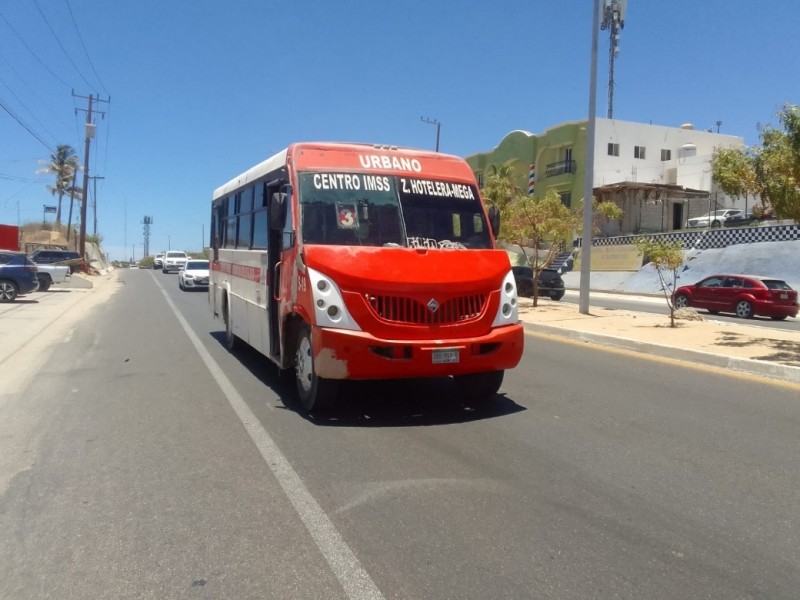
<point>445,355</point>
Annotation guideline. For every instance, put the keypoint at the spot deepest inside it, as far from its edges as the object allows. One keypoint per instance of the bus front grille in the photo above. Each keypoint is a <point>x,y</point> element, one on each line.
<point>400,309</point>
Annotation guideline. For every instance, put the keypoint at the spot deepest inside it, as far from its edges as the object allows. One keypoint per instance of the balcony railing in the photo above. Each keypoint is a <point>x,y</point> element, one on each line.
<point>559,168</point>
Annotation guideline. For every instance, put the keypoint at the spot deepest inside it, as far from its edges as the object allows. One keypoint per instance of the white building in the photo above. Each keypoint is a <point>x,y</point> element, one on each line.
<point>660,176</point>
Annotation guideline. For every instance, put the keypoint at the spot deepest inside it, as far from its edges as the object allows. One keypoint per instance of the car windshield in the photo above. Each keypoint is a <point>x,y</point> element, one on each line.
<point>176,255</point>
<point>361,209</point>
<point>196,265</point>
<point>776,284</point>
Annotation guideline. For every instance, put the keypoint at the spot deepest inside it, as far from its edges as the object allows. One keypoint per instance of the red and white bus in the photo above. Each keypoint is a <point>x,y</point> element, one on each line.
<point>353,261</point>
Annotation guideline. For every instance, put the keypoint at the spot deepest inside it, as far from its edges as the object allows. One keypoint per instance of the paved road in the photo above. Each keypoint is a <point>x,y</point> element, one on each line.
<point>145,461</point>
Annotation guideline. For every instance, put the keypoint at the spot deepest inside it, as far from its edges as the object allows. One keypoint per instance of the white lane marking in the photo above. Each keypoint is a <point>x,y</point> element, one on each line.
<point>355,580</point>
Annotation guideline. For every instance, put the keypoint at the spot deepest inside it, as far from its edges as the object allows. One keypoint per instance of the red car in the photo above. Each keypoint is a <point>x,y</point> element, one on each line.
<point>744,295</point>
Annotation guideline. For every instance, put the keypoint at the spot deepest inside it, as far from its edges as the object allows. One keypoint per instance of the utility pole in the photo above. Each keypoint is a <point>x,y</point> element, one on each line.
<point>90,131</point>
<point>438,128</point>
<point>94,204</point>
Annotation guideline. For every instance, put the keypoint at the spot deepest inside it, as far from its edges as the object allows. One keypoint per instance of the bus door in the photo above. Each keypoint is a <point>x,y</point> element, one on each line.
<point>279,195</point>
<point>217,219</point>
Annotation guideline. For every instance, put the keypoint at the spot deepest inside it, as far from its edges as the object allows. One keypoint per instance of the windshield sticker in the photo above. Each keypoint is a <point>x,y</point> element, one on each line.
<point>346,216</point>
<point>437,188</point>
<point>431,244</point>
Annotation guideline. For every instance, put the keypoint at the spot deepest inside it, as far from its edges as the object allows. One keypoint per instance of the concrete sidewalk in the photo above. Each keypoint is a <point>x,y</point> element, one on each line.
<point>739,347</point>
<point>33,315</point>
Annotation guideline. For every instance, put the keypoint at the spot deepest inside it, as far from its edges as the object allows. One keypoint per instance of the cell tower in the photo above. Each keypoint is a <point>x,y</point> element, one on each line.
<point>147,221</point>
<point>614,21</point>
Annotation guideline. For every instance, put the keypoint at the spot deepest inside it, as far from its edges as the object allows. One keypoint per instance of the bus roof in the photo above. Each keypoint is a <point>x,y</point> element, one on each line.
<point>355,157</point>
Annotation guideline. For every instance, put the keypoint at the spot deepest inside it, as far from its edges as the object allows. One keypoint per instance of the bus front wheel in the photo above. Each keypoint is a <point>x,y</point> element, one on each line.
<point>479,386</point>
<point>314,392</point>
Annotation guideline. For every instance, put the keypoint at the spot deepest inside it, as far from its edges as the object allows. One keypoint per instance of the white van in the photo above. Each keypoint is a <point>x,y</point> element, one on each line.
<point>173,261</point>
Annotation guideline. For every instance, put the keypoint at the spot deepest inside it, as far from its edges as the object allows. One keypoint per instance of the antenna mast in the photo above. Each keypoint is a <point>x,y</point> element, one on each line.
<point>614,21</point>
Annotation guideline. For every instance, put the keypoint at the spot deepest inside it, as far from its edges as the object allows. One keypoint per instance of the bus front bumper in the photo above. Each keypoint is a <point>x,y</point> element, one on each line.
<point>343,354</point>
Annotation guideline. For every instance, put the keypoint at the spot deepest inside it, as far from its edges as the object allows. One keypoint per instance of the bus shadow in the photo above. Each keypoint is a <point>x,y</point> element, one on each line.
<point>408,403</point>
<point>386,403</point>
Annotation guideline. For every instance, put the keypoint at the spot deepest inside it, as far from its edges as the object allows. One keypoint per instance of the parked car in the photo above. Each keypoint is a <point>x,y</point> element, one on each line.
<point>714,219</point>
<point>173,261</point>
<point>50,274</point>
<point>158,260</point>
<point>742,220</point>
<point>744,295</point>
<point>17,275</point>
<point>48,256</point>
<point>194,275</point>
<point>550,282</point>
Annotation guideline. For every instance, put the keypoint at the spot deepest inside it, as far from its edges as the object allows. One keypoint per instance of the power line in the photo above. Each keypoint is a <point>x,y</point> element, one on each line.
<point>55,37</point>
<point>28,129</point>
<point>30,112</point>
<point>91,64</point>
<point>28,48</point>
<point>31,90</point>
<point>21,179</point>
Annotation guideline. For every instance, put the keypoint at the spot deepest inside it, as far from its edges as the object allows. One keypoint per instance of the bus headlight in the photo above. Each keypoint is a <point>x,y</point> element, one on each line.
<point>508,311</point>
<point>329,308</point>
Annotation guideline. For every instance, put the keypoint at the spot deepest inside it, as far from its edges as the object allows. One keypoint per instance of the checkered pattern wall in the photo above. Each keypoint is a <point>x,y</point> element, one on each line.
<point>713,238</point>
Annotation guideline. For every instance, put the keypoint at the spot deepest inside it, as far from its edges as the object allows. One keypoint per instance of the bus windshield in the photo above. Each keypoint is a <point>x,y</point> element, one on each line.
<point>361,209</point>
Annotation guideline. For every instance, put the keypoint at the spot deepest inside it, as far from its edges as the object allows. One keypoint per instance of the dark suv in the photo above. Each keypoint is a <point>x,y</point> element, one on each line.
<point>47,256</point>
<point>17,275</point>
<point>550,282</point>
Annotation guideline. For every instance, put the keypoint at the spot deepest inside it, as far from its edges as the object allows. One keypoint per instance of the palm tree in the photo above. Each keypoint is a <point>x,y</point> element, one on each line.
<point>63,164</point>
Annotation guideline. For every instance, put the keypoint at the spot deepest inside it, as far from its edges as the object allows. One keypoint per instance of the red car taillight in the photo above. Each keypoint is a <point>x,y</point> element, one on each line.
<point>783,296</point>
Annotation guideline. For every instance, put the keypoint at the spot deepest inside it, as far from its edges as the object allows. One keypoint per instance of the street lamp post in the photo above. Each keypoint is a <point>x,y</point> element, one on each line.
<point>438,128</point>
<point>588,188</point>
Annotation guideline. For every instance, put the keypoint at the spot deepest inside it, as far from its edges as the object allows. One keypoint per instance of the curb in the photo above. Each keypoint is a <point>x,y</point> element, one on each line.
<point>742,365</point>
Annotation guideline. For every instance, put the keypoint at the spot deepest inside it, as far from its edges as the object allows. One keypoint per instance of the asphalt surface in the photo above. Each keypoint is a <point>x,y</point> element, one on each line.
<point>133,478</point>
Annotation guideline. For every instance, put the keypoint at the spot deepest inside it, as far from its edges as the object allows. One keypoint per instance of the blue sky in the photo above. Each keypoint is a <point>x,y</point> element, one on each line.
<point>203,89</point>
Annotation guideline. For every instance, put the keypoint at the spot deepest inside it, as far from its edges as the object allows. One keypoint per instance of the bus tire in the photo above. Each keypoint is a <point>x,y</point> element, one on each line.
<point>314,392</point>
<point>479,386</point>
<point>232,342</point>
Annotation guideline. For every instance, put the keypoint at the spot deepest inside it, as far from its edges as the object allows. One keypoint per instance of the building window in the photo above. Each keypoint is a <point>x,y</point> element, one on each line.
<point>666,154</point>
<point>613,149</point>
<point>567,154</point>
<point>566,198</point>
<point>638,152</point>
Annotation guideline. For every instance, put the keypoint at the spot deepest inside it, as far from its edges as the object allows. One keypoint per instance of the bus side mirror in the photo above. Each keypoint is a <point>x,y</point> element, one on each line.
<point>277,210</point>
<point>494,220</point>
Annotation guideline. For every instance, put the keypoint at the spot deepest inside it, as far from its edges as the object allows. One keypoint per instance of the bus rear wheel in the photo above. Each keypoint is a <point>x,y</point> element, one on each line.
<point>231,341</point>
<point>314,392</point>
<point>479,386</point>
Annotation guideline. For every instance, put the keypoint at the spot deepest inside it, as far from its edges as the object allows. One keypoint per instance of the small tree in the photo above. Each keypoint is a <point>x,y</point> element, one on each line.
<point>667,258</point>
<point>500,190</point>
<point>777,164</point>
<point>734,170</point>
<point>535,222</point>
<point>600,210</point>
